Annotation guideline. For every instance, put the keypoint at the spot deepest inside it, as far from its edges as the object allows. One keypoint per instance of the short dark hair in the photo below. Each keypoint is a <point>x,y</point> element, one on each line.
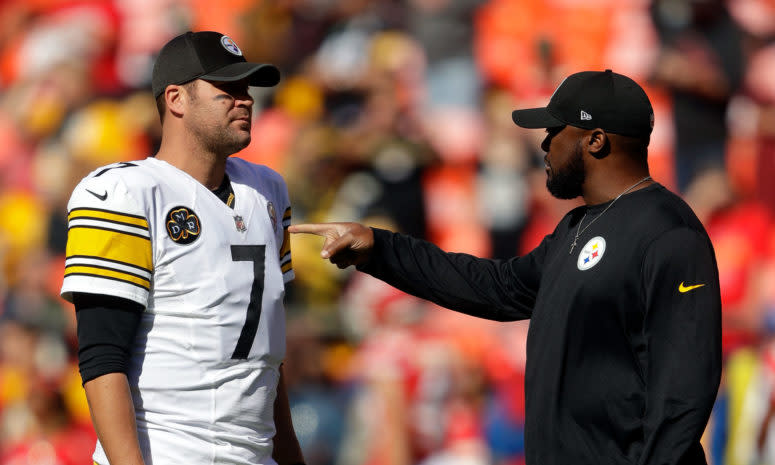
<point>161,103</point>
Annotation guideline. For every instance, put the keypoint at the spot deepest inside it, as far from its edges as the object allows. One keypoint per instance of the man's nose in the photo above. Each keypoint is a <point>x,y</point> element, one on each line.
<point>243,100</point>
<point>546,143</point>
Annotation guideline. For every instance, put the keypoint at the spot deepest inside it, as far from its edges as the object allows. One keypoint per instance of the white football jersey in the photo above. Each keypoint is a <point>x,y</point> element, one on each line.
<point>205,363</point>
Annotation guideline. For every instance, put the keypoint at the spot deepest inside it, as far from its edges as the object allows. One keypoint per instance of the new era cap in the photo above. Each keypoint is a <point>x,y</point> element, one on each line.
<point>207,55</point>
<point>594,99</point>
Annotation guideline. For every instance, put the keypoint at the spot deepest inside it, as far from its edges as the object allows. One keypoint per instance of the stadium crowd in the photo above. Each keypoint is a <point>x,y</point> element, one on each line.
<point>395,113</point>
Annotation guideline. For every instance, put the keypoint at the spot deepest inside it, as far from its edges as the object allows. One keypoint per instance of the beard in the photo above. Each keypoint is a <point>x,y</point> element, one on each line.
<point>221,141</point>
<point>566,183</point>
<point>227,143</point>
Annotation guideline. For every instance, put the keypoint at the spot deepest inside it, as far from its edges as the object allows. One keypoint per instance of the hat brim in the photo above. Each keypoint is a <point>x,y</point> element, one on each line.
<point>261,75</point>
<point>535,118</point>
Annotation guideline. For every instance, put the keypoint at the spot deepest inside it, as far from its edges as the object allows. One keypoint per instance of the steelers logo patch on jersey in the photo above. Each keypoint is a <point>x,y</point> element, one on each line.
<point>591,254</point>
<point>183,225</point>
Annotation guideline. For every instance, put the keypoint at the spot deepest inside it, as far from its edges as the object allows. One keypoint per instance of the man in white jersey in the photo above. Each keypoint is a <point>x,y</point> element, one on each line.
<point>177,266</point>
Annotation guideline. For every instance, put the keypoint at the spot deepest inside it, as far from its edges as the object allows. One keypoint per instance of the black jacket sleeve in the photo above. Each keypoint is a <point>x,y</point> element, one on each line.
<point>683,336</point>
<point>106,329</point>
<point>491,289</point>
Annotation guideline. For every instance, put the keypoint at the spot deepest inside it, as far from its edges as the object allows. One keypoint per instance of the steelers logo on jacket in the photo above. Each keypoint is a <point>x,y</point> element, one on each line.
<point>591,253</point>
<point>183,225</point>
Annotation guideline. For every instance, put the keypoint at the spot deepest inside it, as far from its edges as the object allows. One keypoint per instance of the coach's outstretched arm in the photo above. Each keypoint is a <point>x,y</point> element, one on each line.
<point>491,289</point>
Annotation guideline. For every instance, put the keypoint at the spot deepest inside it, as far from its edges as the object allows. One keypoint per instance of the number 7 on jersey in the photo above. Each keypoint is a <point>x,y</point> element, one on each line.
<point>255,254</point>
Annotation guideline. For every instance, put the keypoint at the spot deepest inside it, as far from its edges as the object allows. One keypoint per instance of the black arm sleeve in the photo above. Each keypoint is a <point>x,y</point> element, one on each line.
<point>106,329</point>
<point>491,289</point>
<point>683,331</point>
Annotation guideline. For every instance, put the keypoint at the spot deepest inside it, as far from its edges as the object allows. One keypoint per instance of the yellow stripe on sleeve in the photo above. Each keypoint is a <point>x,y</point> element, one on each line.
<point>286,243</point>
<point>107,215</point>
<point>110,245</point>
<point>86,270</point>
<point>287,267</point>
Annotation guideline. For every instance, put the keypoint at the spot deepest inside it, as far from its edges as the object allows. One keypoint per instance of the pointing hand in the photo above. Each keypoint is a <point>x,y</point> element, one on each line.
<point>346,243</point>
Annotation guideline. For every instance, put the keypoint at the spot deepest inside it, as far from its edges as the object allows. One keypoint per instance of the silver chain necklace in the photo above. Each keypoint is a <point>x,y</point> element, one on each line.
<point>579,230</point>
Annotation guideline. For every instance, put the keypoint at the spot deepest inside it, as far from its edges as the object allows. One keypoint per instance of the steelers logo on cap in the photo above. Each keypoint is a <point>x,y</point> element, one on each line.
<point>591,253</point>
<point>231,46</point>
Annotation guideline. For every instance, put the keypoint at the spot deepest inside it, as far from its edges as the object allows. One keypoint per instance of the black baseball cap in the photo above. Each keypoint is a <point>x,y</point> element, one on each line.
<point>594,99</point>
<point>207,55</point>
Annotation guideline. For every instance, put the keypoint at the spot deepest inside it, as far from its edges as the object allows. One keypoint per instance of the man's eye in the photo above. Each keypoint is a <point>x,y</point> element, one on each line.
<point>237,90</point>
<point>554,131</point>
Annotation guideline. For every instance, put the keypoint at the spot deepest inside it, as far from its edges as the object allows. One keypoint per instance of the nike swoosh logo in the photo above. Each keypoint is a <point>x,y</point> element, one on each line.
<point>101,197</point>
<point>682,288</point>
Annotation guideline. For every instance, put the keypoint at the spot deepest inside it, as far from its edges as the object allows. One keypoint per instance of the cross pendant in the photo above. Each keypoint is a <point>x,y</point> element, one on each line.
<point>572,246</point>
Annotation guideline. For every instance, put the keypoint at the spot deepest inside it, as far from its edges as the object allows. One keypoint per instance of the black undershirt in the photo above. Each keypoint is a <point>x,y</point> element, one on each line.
<point>107,325</point>
<point>225,192</point>
<point>106,329</point>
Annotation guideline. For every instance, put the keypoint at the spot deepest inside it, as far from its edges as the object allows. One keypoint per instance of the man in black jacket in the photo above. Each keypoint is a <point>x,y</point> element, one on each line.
<point>623,352</point>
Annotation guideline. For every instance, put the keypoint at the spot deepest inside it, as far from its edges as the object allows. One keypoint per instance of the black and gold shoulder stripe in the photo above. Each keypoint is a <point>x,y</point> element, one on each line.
<point>285,250</point>
<point>109,244</point>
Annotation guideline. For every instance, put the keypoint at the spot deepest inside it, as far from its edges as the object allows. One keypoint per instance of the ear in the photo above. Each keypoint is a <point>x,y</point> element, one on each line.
<point>176,98</point>
<point>598,144</point>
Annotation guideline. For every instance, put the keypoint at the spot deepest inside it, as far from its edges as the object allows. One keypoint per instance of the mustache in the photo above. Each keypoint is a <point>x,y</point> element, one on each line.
<point>241,115</point>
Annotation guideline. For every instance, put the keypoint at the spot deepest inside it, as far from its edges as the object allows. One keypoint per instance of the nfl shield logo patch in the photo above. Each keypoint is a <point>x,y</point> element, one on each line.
<point>239,223</point>
<point>272,215</point>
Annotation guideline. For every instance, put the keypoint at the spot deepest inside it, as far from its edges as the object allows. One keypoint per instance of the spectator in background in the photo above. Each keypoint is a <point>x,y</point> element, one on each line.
<point>701,64</point>
<point>313,362</point>
<point>444,29</point>
<point>37,418</point>
<point>760,86</point>
<point>381,137</point>
<point>503,178</point>
<point>750,382</point>
<point>741,230</point>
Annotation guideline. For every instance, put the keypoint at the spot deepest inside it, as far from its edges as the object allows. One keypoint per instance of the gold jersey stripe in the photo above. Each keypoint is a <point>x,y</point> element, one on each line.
<point>83,266</point>
<point>103,259</point>
<point>110,245</point>
<point>100,272</point>
<point>287,267</point>
<point>286,248</point>
<point>94,213</point>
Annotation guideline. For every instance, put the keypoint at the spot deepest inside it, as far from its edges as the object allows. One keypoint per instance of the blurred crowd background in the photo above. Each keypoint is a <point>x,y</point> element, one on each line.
<point>396,114</point>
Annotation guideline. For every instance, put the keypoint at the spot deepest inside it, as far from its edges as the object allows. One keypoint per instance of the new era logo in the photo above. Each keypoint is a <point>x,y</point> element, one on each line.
<point>585,116</point>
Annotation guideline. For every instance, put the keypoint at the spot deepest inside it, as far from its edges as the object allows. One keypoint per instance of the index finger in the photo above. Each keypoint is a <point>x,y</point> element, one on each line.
<point>318,229</point>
